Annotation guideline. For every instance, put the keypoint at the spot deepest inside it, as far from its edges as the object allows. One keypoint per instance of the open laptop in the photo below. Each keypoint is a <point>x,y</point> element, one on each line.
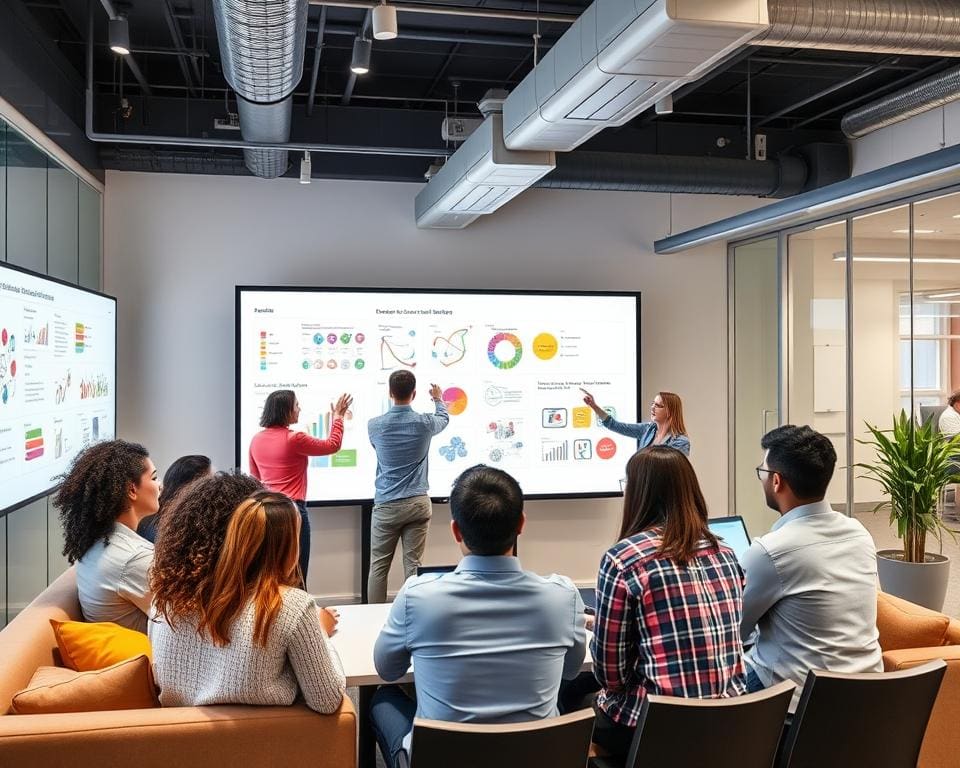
<point>733,532</point>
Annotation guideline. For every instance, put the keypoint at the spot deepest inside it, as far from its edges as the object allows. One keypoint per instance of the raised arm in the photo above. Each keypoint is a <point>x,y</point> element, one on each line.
<point>439,419</point>
<point>314,446</point>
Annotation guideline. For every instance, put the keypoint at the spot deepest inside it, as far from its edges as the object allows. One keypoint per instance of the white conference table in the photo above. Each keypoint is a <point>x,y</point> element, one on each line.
<point>354,639</point>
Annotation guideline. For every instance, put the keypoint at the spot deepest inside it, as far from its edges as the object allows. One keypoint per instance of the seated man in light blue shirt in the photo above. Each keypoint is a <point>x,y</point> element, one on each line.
<point>489,641</point>
<point>811,582</point>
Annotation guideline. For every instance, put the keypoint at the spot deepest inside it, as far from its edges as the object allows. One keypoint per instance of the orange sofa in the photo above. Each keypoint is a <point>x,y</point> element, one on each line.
<point>912,635</point>
<point>186,737</point>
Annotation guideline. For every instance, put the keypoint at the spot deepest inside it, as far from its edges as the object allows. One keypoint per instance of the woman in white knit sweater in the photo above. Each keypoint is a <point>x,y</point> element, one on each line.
<point>257,639</point>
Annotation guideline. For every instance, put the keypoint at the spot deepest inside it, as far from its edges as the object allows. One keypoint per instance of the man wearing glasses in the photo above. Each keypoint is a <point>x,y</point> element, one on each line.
<point>811,589</point>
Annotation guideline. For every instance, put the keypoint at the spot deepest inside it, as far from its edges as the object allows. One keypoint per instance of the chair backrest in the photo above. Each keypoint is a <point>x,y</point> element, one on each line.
<point>931,413</point>
<point>739,732</point>
<point>559,742</point>
<point>876,719</point>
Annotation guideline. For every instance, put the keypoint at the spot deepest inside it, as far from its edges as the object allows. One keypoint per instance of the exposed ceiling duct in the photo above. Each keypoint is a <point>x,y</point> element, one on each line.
<point>896,107</point>
<point>918,27</point>
<point>783,177</point>
<point>619,58</point>
<point>262,45</point>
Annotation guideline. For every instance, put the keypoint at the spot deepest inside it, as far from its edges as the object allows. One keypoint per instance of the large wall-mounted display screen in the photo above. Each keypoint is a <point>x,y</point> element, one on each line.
<point>511,367</point>
<point>58,370</point>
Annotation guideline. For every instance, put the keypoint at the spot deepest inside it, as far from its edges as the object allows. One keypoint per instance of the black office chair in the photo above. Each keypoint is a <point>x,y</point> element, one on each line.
<point>875,719</point>
<point>557,742</point>
<point>740,732</point>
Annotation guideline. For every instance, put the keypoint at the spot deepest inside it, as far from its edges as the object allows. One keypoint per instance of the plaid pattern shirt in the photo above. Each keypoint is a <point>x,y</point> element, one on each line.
<point>666,628</point>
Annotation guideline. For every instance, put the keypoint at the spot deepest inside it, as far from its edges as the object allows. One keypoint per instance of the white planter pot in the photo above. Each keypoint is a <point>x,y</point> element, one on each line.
<point>921,583</point>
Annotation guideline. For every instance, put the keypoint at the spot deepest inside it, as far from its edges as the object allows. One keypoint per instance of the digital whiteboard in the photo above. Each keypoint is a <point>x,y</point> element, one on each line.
<point>57,379</point>
<point>510,365</point>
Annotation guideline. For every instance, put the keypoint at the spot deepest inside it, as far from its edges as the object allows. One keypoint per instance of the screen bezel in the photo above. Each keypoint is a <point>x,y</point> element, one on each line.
<point>66,283</point>
<point>241,289</point>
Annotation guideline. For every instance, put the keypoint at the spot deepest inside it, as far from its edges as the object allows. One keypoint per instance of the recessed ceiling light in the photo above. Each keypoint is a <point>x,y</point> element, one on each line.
<point>119,31</point>
<point>883,258</point>
<point>915,231</point>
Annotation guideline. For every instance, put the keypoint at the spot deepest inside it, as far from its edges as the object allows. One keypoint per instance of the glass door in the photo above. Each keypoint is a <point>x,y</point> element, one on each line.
<point>755,366</point>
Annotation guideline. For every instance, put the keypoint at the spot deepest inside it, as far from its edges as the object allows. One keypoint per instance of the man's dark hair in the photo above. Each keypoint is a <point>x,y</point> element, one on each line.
<point>803,457</point>
<point>278,409</point>
<point>402,384</point>
<point>954,399</point>
<point>487,505</point>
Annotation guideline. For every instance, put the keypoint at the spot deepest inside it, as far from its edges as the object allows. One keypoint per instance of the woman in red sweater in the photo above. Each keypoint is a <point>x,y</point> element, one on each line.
<point>279,455</point>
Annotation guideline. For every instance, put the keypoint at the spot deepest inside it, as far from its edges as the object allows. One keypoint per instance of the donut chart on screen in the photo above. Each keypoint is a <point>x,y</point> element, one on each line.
<point>456,400</point>
<point>501,363</point>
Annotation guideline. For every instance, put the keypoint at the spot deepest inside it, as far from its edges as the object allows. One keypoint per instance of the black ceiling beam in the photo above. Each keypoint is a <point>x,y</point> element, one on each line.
<point>837,63</point>
<point>317,51</point>
<point>173,26</point>
<point>442,36</point>
<point>846,82</point>
<point>876,92</point>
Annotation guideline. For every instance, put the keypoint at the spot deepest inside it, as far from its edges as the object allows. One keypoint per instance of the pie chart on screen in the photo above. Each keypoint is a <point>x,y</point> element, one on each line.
<point>456,400</point>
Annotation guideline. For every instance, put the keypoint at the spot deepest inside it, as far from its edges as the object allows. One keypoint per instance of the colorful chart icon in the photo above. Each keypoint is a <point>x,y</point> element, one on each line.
<point>332,365</point>
<point>345,338</point>
<point>581,416</point>
<point>500,348</point>
<point>318,338</point>
<point>456,400</point>
<point>306,364</point>
<point>331,338</point>
<point>360,338</point>
<point>545,346</point>
<point>358,364</point>
<point>606,448</point>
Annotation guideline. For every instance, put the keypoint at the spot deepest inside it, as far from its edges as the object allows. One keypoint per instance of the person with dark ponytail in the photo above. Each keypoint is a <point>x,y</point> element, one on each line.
<point>182,472</point>
<point>110,488</point>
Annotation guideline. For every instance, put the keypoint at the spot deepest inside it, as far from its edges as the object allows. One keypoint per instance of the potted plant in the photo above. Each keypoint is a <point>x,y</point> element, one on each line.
<point>913,465</point>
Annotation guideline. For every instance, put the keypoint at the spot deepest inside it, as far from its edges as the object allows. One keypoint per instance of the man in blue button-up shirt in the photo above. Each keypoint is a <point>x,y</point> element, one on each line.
<point>401,504</point>
<point>489,641</point>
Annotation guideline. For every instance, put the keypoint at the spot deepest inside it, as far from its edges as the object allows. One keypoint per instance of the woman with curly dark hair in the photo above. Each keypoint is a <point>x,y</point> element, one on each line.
<point>258,638</point>
<point>190,537</point>
<point>110,487</point>
<point>181,473</point>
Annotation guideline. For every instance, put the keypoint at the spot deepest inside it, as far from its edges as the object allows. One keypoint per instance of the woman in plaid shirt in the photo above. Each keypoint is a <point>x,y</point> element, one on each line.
<point>669,600</point>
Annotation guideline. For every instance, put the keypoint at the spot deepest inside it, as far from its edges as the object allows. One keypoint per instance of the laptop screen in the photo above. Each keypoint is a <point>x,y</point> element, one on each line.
<point>733,532</point>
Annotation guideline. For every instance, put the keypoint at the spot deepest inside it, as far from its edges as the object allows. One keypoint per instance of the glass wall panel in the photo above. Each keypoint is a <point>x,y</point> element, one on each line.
<point>3,201</point>
<point>881,332</point>
<point>62,214</point>
<point>26,203</point>
<point>816,340</point>
<point>756,379</point>
<point>3,572</point>
<point>89,227</point>
<point>26,555</point>
<point>56,561</point>
<point>936,302</point>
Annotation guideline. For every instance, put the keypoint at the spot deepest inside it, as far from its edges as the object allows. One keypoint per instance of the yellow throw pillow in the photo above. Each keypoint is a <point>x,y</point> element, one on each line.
<point>85,646</point>
<point>127,685</point>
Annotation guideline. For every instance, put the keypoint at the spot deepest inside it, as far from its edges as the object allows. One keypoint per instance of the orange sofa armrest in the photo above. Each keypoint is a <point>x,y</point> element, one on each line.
<point>941,743</point>
<point>952,636</point>
<point>188,737</point>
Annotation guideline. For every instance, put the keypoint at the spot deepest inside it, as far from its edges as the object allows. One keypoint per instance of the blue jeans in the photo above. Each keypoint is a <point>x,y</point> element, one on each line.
<point>754,683</point>
<point>392,713</point>
<point>304,540</point>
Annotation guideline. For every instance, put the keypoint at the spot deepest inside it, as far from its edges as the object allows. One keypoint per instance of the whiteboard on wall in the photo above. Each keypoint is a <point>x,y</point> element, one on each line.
<point>829,377</point>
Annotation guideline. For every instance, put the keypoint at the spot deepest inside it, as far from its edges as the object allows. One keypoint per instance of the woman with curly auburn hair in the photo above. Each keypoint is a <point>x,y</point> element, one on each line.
<point>110,487</point>
<point>258,638</point>
<point>190,537</point>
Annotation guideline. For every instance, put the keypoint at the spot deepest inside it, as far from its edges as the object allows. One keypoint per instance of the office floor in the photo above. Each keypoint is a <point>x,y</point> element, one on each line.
<point>885,538</point>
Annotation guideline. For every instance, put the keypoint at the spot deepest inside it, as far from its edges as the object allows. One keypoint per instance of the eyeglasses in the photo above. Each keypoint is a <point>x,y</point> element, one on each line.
<point>763,469</point>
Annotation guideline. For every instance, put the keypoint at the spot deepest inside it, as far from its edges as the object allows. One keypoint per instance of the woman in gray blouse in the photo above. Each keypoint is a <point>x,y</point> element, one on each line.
<point>665,427</point>
<point>110,488</point>
<point>255,638</point>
